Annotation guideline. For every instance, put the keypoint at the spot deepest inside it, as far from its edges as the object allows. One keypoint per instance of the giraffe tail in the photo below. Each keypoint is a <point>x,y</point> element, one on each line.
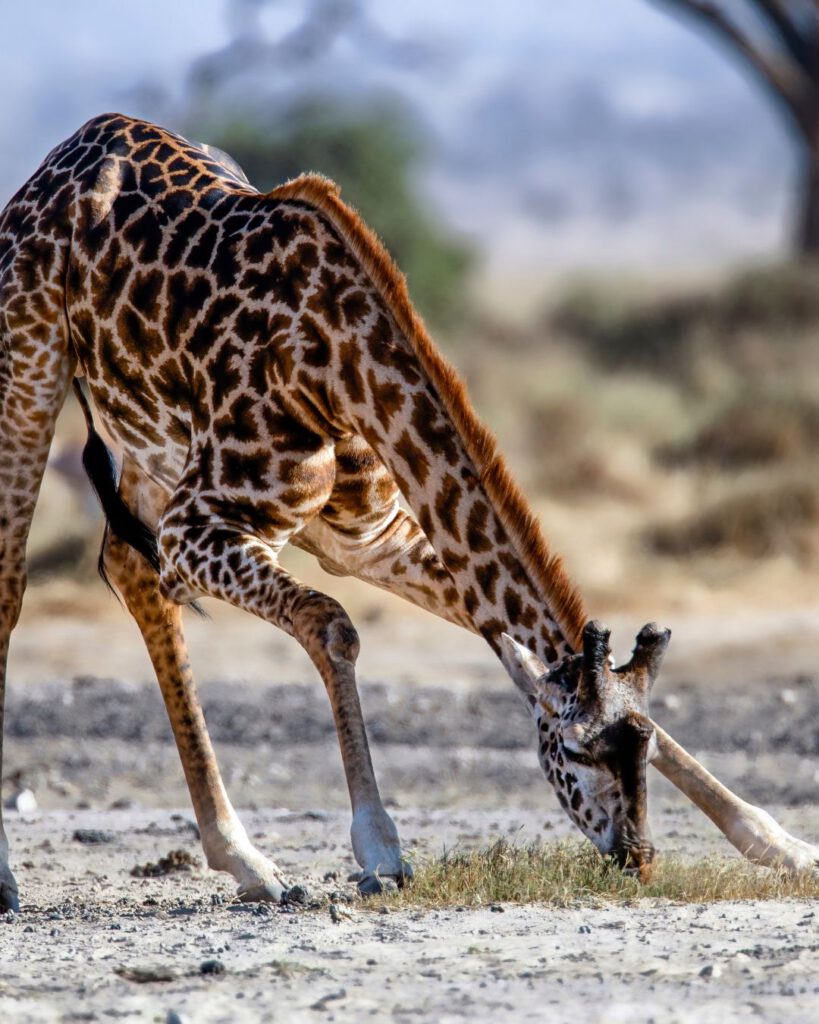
<point>101,469</point>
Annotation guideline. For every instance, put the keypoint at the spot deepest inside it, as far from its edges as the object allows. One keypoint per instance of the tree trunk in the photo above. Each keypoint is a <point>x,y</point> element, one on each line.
<point>808,225</point>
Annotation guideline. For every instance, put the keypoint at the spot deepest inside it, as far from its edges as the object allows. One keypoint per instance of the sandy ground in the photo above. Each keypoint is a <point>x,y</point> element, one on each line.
<point>86,732</point>
<point>93,943</point>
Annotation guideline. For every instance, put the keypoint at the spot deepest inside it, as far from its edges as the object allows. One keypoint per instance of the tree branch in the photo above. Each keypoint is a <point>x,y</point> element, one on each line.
<point>803,46</point>
<point>787,84</point>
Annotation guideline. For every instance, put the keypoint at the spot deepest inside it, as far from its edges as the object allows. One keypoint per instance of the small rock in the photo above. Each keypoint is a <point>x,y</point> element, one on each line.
<point>23,801</point>
<point>177,1018</point>
<point>711,971</point>
<point>211,967</point>
<point>185,824</point>
<point>143,973</point>
<point>339,896</point>
<point>176,860</point>
<point>125,803</point>
<point>339,914</point>
<point>321,1004</point>
<point>296,894</point>
<point>585,929</point>
<point>496,908</point>
<point>92,836</point>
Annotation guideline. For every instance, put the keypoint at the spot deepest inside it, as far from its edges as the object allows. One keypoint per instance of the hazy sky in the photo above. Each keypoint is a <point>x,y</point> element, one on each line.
<point>647,79</point>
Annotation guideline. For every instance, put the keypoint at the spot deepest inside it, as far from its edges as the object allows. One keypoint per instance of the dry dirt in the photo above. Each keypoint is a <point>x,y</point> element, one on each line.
<point>86,732</point>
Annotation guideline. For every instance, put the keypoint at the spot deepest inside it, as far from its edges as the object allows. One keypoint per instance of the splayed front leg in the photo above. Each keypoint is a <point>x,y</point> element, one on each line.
<point>227,848</point>
<point>753,831</point>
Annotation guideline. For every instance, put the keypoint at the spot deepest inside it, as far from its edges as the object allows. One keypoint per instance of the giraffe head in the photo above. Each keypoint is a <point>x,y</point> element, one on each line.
<point>595,736</point>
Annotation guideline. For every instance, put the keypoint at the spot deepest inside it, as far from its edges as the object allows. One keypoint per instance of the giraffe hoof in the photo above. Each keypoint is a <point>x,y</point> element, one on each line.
<point>9,902</point>
<point>373,884</point>
<point>266,892</point>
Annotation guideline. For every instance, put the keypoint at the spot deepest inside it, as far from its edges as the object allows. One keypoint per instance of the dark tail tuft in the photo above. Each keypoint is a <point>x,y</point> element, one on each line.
<point>101,468</point>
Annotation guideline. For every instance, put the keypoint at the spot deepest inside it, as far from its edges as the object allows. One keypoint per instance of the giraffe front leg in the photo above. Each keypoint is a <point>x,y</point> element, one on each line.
<point>753,831</point>
<point>225,842</point>
<point>243,570</point>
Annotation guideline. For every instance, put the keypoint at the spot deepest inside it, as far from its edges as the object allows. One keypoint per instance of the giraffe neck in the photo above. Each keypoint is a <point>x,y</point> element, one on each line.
<point>407,401</point>
<point>428,456</point>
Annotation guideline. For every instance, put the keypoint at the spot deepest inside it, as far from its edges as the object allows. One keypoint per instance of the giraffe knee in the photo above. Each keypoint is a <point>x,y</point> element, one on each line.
<point>321,625</point>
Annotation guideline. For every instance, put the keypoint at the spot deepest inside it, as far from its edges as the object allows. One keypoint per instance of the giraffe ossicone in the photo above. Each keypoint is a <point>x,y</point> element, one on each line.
<point>268,381</point>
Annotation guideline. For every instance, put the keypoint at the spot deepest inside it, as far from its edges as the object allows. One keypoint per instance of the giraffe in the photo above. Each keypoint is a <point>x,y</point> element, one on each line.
<point>258,361</point>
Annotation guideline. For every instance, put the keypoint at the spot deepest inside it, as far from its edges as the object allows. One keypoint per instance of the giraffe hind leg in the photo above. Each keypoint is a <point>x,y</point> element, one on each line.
<point>35,368</point>
<point>225,842</point>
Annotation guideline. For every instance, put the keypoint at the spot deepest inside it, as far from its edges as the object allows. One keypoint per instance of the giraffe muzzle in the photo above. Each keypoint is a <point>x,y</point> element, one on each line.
<point>636,860</point>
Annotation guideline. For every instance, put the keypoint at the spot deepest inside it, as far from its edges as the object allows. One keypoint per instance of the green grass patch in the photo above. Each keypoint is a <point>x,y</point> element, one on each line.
<point>561,874</point>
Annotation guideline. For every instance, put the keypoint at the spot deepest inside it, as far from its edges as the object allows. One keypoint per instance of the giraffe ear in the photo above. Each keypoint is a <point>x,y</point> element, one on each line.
<point>649,651</point>
<point>525,668</point>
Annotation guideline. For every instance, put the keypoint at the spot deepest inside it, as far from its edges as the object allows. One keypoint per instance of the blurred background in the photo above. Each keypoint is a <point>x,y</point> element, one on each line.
<point>608,214</point>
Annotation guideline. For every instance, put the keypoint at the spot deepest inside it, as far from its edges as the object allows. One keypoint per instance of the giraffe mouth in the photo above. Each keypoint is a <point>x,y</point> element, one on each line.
<point>643,873</point>
<point>636,861</point>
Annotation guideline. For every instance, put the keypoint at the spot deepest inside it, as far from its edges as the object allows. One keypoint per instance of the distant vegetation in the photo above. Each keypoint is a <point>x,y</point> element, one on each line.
<point>693,414</point>
<point>671,334</point>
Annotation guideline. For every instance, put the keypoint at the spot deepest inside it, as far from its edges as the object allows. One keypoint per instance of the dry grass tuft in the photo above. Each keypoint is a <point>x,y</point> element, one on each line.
<point>564,873</point>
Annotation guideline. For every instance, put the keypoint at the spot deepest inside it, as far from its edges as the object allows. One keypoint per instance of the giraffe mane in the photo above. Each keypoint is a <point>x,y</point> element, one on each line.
<point>545,569</point>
